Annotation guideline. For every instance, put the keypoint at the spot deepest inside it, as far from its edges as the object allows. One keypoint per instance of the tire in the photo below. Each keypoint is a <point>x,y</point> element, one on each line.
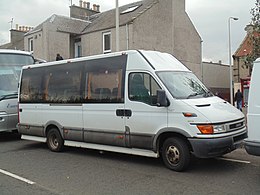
<point>176,154</point>
<point>54,140</point>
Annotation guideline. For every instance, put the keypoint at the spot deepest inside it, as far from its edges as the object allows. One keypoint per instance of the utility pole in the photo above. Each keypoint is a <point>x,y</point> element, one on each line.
<point>230,63</point>
<point>117,26</point>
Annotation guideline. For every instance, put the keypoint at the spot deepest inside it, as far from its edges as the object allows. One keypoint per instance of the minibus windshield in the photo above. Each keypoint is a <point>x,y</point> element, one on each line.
<point>184,85</point>
<point>10,68</point>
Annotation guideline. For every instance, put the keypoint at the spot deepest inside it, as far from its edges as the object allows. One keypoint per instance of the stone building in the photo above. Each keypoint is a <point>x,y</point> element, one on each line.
<point>57,34</point>
<point>161,25</point>
<point>17,38</point>
<point>216,78</point>
<point>241,72</point>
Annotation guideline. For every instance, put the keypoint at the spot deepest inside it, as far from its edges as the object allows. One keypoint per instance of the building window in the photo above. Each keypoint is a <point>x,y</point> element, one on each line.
<point>30,45</point>
<point>107,42</point>
<point>78,49</point>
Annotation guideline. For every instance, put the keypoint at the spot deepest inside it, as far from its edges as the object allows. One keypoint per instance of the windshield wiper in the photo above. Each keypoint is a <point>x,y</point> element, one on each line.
<point>192,95</point>
<point>208,94</point>
<point>9,96</point>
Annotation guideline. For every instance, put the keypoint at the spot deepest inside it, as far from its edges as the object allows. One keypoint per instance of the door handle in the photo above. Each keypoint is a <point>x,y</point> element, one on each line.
<point>128,113</point>
<point>123,112</point>
<point>119,112</point>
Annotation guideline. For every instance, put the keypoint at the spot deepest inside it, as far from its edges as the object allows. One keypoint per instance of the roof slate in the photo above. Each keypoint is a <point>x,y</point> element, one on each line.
<point>97,22</point>
<point>63,24</point>
<point>106,20</point>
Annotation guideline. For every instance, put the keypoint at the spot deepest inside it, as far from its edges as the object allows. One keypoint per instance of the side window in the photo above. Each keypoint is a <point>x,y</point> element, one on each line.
<point>31,89</point>
<point>105,80</point>
<point>143,88</point>
<point>62,84</point>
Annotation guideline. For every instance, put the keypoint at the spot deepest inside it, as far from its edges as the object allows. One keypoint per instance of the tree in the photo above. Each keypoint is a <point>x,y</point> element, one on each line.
<point>254,35</point>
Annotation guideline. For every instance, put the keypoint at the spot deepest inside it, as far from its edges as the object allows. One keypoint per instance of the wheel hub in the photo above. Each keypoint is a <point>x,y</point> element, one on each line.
<point>173,155</point>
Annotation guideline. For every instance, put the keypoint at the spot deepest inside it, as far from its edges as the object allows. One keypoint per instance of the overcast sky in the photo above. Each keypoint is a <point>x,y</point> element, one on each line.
<point>210,18</point>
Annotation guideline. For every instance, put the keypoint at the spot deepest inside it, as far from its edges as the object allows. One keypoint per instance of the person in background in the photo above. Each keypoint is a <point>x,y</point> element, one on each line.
<point>59,57</point>
<point>238,99</point>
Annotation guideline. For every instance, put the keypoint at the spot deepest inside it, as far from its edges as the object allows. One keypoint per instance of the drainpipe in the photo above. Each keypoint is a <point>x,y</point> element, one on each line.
<point>127,37</point>
<point>201,65</point>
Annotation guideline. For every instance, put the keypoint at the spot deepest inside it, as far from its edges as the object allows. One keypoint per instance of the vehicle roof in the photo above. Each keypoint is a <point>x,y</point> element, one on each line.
<point>14,51</point>
<point>163,61</point>
<point>158,61</point>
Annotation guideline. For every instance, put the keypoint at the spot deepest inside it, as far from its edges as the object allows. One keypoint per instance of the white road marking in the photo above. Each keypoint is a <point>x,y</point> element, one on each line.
<point>16,177</point>
<point>234,160</point>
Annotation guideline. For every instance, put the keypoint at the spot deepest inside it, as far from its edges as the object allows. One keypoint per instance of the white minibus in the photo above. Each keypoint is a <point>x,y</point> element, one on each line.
<point>135,102</point>
<point>252,143</point>
<point>11,62</point>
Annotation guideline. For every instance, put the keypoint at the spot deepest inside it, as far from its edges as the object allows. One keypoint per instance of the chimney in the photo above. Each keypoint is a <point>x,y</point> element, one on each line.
<point>94,7</point>
<point>220,62</point>
<point>98,8</point>
<point>84,4</point>
<point>249,29</point>
<point>17,27</point>
<point>88,5</point>
<point>80,3</point>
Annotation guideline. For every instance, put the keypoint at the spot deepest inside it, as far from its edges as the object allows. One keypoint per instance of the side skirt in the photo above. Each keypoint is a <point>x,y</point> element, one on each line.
<point>34,138</point>
<point>133,151</point>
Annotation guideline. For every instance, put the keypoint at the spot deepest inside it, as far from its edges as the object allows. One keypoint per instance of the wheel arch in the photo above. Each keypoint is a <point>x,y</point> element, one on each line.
<point>52,124</point>
<point>165,133</point>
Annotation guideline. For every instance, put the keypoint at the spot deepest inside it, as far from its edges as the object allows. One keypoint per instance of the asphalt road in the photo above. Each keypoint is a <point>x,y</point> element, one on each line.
<point>28,167</point>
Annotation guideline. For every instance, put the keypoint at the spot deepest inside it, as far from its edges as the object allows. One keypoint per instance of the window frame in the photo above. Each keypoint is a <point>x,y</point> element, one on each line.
<point>150,87</point>
<point>104,34</point>
<point>30,44</point>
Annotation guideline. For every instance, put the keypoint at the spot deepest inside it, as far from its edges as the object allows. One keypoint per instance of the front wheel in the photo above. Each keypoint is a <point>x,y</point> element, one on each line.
<point>175,154</point>
<point>54,140</point>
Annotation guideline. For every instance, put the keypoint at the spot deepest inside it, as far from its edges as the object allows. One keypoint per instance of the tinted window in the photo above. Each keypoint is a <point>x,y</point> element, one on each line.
<point>100,80</point>
<point>104,80</point>
<point>31,90</point>
<point>62,84</point>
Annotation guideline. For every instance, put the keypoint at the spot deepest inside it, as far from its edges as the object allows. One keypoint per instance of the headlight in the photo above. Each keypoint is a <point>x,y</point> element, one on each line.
<point>211,129</point>
<point>219,128</point>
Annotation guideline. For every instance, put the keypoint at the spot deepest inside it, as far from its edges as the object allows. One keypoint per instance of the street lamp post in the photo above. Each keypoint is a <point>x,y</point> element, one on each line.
<point>230,65</point>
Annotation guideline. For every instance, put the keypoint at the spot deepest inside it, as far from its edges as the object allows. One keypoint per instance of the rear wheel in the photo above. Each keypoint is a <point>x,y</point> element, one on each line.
<point>175,154</point>
<point>54,140</point>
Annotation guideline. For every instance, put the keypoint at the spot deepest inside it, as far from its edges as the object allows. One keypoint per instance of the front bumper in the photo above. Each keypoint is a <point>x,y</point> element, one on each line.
<point>213,147</point>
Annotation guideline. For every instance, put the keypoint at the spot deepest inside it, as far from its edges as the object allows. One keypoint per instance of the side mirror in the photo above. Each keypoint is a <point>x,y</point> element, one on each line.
<point>161,98</point>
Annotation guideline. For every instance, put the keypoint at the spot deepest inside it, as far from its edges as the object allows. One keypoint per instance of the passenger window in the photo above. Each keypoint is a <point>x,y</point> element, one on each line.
<point>63,86</point>
<point>104,86</point>
<point>105,80</point>
<point>31,86</point>
<point>143,88</point>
